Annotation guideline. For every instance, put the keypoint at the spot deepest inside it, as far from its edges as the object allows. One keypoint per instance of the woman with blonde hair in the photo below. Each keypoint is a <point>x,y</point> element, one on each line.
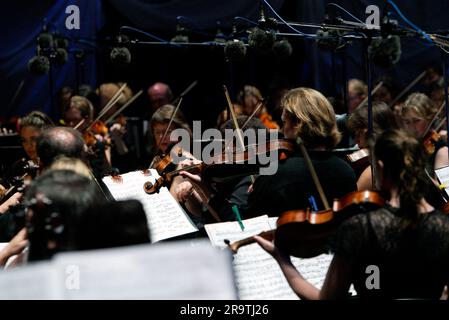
<point>417,113</point>
<point>309,117</point>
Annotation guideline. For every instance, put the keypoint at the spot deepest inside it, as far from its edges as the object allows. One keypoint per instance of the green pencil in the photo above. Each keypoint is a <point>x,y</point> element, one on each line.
<point>235,209</point>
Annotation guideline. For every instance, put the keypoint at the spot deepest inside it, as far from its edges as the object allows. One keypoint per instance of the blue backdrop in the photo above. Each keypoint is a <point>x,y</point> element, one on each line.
<point>22,21</point>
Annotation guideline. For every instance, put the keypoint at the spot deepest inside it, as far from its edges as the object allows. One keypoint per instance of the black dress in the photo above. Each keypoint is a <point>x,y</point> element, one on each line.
<point>292,185</point>
<point>412,259</point>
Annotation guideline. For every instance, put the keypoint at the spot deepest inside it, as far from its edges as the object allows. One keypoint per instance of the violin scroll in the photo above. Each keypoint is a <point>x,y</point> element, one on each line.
<point>152,188</point>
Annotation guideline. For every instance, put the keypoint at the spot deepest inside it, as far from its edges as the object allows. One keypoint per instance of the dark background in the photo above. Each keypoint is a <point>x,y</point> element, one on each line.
<point>22,21</point>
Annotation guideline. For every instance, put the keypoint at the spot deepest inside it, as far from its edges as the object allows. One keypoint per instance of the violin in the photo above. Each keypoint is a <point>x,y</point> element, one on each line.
<point>304,233</point>
<point>359,160</point>
<point>164,163</point>
<point>98,128</point>
<point>223,167</point>
<point>19,184</point>
<point>429,141</point>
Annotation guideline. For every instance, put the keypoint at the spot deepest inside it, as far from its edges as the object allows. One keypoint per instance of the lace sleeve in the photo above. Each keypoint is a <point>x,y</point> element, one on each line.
<point>350,238</point>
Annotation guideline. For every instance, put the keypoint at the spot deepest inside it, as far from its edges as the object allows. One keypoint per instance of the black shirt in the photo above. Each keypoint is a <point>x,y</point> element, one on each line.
<point>412,259</point>
<point>292,185</point>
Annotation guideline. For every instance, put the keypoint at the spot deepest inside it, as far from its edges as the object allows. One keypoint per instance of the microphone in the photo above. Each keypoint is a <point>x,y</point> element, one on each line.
<point>219,36</point>
<point>386,51</point>
<point>61,56</point>
<point>39,65</point>
<point>60,41</point>
<point>121,55</point>
<point>235,49</point>
<point>282,49</point>
<point>328,39</point>
<point>180,36</point>
<point>45,39</point>
<point>262,37</point>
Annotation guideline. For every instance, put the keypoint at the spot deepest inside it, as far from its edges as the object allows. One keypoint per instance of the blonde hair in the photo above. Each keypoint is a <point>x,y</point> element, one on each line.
<point>73,164</point>
<point>314,116</point>
<point>421,104</point>
<point>107,90</point>
<point>248,91</point>
<point>83,105</point>
<point>358,87</point>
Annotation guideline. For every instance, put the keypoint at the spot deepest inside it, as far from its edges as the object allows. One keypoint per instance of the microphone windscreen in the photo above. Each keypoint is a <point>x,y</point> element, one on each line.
<point>328,39</point>
<point>120,56</point>
<point>45,40</point>
<point>61,56</point>
<point>235,50</point>
<point>38,65</point>
<point>261,40</point>
<point>179,38</point>
<point>282,49</point>
<point>385,52</point>
<point>61,42</point>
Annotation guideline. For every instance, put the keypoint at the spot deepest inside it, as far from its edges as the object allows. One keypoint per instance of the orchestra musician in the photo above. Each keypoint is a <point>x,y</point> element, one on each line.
<point>395,239</point>
<point>418,112</point>
<point>158,126</point>
<point>306,114</point>
<point>30,128</point>
<point>249,97</point>
<point>383,119</point>
<point>79,115</point>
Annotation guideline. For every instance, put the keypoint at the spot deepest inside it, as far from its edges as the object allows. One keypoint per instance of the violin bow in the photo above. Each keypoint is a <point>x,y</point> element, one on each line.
<point>181,97</point>
<point>79,124</point>
<point>380,84</point>
<point>236,125</point>
<point>312,171</point>
<point>259,105</point>
<point>124,107</point>
<point>407,89</point>
<point>113,99</point>
<point>112,102</point>
<point>435,117</point>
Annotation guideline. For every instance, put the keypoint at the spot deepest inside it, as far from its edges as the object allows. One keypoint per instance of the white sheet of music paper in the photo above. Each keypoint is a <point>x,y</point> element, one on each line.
<point>178,270</point>
<point>443,178</point>
<point>36,281</point>
<point>166,218</point>
<point>258,275</point>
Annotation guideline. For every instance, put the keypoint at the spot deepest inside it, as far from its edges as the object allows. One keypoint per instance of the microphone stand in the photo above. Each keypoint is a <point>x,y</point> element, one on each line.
<point>445,78</point>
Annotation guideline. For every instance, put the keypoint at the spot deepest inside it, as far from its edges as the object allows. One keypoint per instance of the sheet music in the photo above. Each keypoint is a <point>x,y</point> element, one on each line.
<point>166,218</point>
<point>179,270</point>
<point>32,282</point>
<point>443,177</point>
<point>257,274</point>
